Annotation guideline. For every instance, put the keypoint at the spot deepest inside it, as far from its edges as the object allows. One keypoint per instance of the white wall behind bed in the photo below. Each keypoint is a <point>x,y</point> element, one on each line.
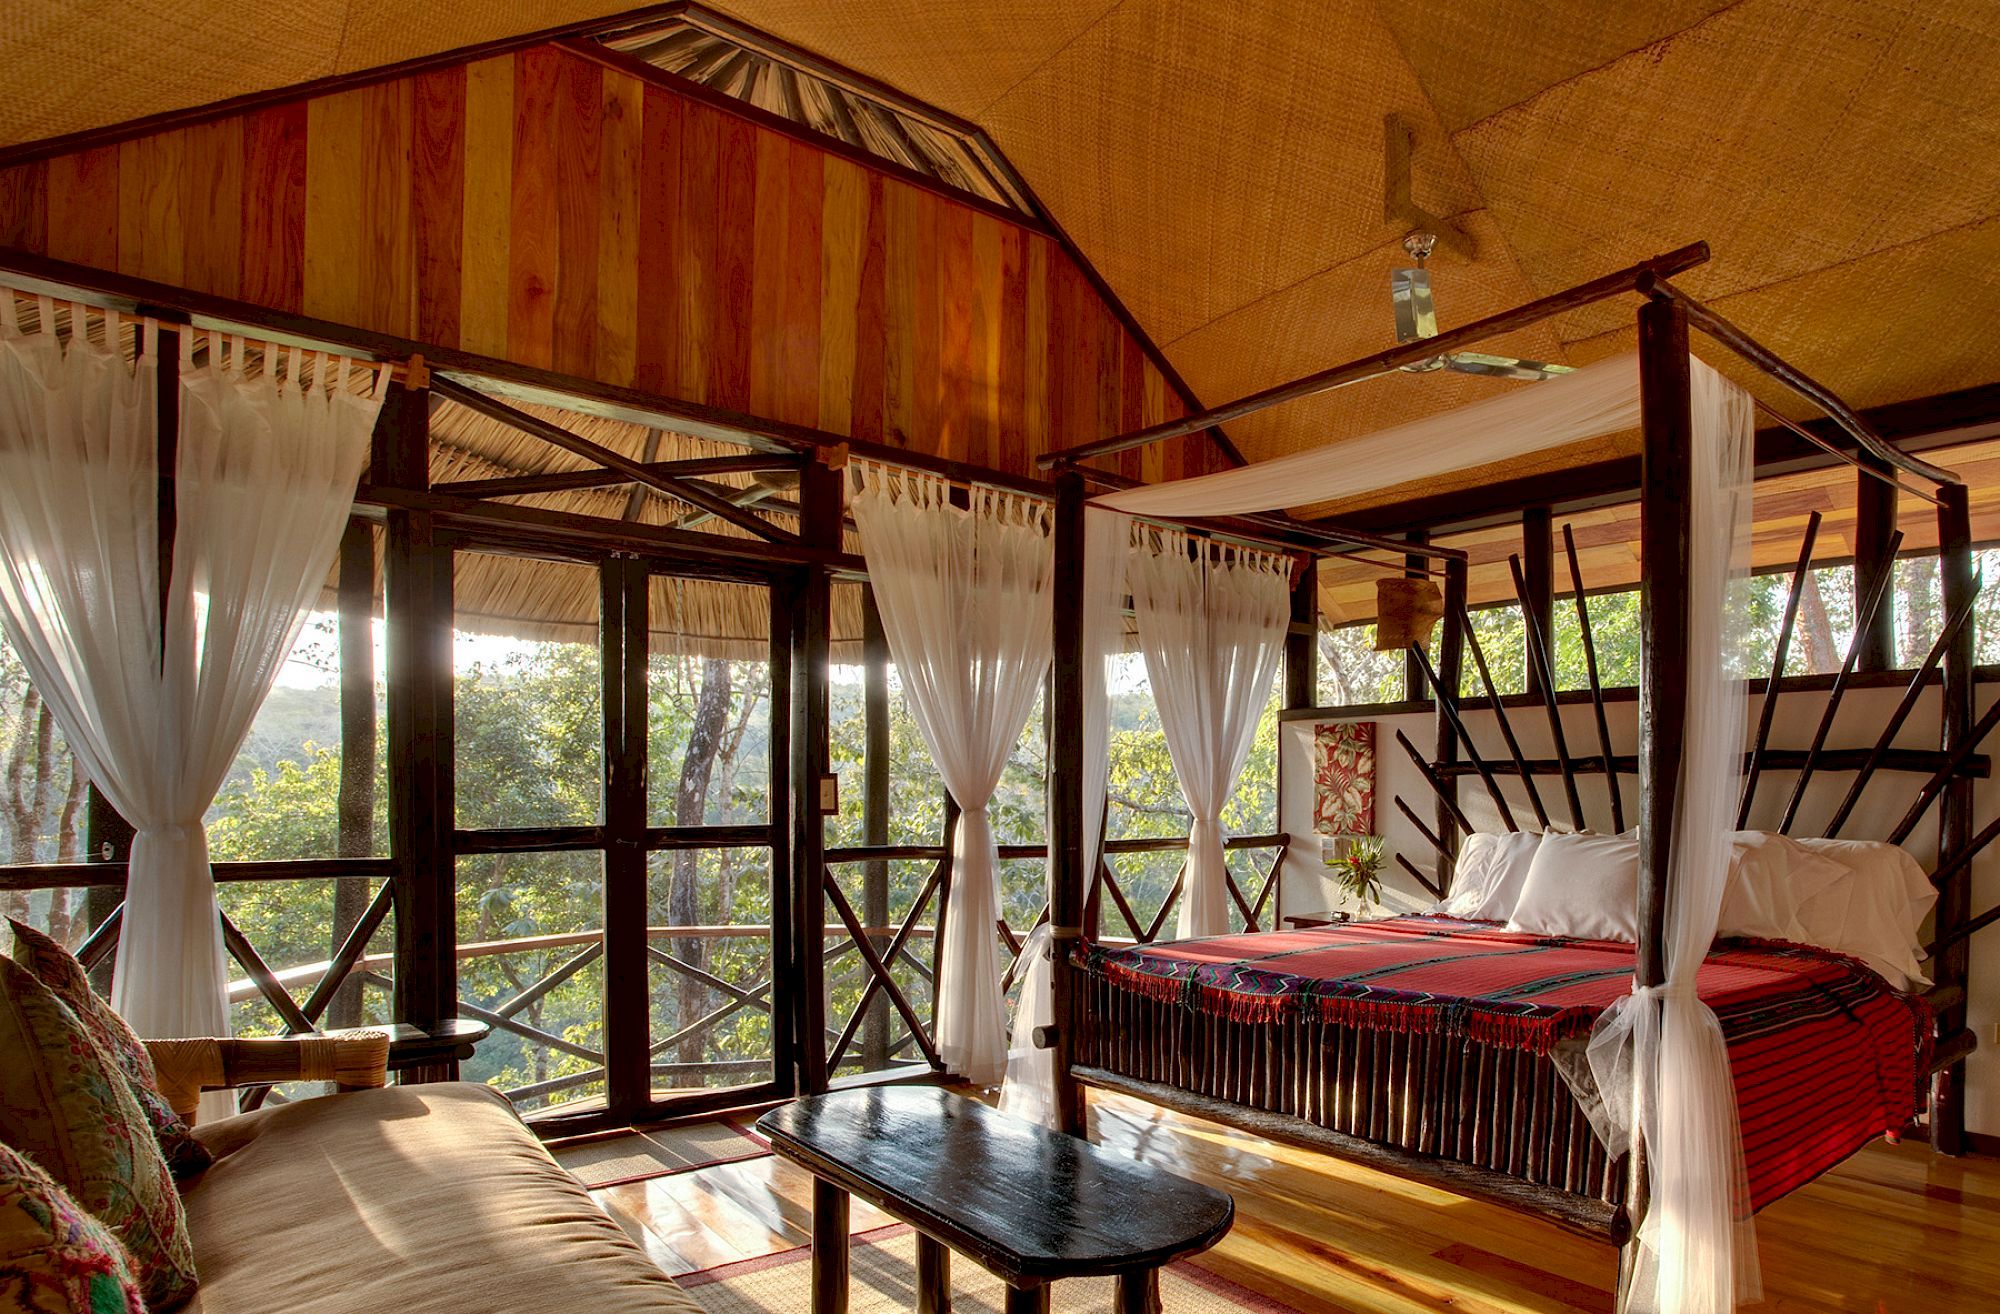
<point>1306,887</point>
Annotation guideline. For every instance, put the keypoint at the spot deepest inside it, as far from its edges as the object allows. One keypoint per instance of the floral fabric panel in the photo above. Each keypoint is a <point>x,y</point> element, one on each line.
<point>66,1103</point>
<point>53,1255</point>
<point>55,968</point>
<point>1344,778</point>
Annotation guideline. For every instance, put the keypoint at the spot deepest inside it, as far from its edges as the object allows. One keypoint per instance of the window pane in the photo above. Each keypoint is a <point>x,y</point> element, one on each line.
<point>42,802</point>
<point>296,927</point>
<point>529,694</point>
<point>283,796</point>
<point>704,1035</point>
<point>525,919</point>
<point>1351,672</point>
<point>1614,638</point>
<point>709,689</point>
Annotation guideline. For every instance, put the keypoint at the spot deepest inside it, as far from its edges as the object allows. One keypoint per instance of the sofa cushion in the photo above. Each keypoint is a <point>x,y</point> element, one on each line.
<point>55,968</point>
<point>53,1255</point>
<point>408,1198</point>
<point>66,1104</point>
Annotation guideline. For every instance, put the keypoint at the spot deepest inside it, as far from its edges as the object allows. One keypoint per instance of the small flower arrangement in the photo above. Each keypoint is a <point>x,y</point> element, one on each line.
<point>1357,868</point>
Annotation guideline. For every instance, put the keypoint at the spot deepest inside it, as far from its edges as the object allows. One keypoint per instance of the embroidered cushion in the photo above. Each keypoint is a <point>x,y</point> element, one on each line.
<point>55,968</point>
<point>65,1102</point>
<point>53,1255</point>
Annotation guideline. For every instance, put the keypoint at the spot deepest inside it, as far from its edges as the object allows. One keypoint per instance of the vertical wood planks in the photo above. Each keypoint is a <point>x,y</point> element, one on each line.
<point>437,203</point>
<point>798,376</point>
<point>486,207</point>
<point>387,273</point>
<point>578,136</point>
<point>550,210</point>
<point>335,126</point>
<point>532,257</point>
<point>845,225</point>
<point>212,232</point>
<point>621,148</point>
<point>657,293</point>
<point>273,214</point>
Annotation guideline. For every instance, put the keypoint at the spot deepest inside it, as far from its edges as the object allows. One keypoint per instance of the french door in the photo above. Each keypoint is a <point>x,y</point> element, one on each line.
<point>623,873</point>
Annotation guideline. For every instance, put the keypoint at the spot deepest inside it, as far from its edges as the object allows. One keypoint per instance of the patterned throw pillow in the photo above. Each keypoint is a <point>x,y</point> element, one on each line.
<point>54,967</point>
<point>65,1102</point>
<point>54,1256</point>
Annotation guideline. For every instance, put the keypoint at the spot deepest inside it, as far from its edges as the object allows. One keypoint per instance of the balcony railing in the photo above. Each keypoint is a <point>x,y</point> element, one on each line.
<point>867,961</point>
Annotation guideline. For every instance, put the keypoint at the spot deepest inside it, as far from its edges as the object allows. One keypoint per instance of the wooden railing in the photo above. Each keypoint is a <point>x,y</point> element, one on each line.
<point>870,956</point>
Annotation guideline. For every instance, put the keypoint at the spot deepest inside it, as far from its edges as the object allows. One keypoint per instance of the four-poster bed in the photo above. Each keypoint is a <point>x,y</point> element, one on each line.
<point>1288,1053</point>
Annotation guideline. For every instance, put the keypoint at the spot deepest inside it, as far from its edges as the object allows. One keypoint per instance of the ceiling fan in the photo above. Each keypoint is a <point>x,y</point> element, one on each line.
<point>1416,319</point>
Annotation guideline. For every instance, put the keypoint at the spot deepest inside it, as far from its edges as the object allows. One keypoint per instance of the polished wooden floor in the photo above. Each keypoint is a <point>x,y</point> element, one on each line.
<point>1891,1230</point>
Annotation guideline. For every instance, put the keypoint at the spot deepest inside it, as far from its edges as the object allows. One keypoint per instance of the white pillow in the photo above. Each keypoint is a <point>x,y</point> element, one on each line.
<point>1770,876</point>
<point>1874,912</point>
<point>1491,870</point>
<point>1582,885</point>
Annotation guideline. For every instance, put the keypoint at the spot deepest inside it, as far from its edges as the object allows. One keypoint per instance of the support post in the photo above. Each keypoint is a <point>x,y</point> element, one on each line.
<point>356,806</point>
<point>417,580</point>
<point>107,837</point>
<point>1665,494</point>
<point>875,810</point>
<point>1415,566</point>
<point>1955,811</point>
<point>1071,874</point>
<point>623,621</point>
<point>1450,667</point>
<point>1875,558</point>
<point>1302,644</point>
<point>820,526</point>
<point>1538,566</point>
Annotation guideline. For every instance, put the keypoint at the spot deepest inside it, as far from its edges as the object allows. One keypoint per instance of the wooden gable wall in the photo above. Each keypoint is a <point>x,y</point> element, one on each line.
<point>558,209</point>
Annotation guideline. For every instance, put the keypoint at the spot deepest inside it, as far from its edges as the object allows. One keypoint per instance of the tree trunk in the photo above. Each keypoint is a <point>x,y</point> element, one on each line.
<point>1816,629</point>
<point>711,718</point>
<point>27,798</point>
<point>69,848</point>
<point>1921,612</point>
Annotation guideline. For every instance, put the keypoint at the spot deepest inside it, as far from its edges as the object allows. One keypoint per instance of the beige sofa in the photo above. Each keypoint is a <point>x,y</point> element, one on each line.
<point>405,1200</point>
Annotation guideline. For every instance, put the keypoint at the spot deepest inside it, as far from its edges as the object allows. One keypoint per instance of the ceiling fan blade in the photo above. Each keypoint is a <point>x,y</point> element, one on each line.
<point>1503,367</point>
<point>1416,316</point>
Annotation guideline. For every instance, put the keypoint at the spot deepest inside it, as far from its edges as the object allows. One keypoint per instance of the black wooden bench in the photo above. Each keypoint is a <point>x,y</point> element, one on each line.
<point>1031,1205</point>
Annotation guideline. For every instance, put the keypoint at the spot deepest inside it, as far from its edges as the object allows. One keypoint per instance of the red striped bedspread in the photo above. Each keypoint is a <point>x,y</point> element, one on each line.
<point>1826,1056</point>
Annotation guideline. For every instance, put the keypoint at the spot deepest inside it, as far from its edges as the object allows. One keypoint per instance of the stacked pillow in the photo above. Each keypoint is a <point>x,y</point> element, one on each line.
<point>53,1255</point>
<point>70,1076</point>
<point>1858,897</point>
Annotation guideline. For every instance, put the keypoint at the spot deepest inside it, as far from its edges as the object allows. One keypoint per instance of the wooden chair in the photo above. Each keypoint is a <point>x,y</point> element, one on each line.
<point>355,1060</point>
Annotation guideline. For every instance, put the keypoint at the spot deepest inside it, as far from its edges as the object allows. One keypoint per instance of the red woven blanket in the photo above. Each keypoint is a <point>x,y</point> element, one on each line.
<point>1825,1055</point>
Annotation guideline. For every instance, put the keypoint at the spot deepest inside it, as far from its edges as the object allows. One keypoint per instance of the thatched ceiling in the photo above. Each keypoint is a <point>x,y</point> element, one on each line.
<point>1223,165</point>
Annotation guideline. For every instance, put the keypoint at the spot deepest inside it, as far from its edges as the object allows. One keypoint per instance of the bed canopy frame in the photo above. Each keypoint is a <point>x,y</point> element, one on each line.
<point>1488,1153</point>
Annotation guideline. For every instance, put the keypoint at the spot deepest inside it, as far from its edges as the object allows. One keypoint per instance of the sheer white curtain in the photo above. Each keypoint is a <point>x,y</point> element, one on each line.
<point>1212,620</point>
<point>965,602</point>
<point>1659,1057</point>
<point>268,460</point>
<point>1031,1083</point>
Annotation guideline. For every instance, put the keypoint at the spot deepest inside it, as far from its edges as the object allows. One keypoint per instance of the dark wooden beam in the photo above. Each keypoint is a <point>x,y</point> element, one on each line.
<point>636,471</point>
<point>1415,566</point>
<point>563,481</point>
<point>1920,425</point>
<point>1538,568</point>
<point>1874,526</point>
<point>417,580</point>
<point>1383,362</point>
<point>811,692</point>
<point>1453,630</point>
<point>1954,906</point>
<point>1768,711</point>
<point>1302,645</point>
<point>1069,865</point>
<point>1655,284</point>
<point>874,805</point>
<point>623,647</point>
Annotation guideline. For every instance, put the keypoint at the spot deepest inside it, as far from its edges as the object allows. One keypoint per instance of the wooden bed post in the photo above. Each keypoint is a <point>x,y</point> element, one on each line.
<point>1954,810</point>
<point>1874,557</point>
<point>1665,492</point>
<point>820,513</point>
<point>1450,665</point>
<point>1538,565</point>
<point>1070,873</point>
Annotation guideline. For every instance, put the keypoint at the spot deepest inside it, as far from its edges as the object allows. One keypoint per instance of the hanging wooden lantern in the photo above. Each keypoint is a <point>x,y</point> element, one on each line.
<point>1405,611</point>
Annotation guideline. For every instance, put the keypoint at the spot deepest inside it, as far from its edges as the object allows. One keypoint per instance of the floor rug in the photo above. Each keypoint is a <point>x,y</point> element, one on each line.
<point>636,1156</point>
<point>883,1274</point>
